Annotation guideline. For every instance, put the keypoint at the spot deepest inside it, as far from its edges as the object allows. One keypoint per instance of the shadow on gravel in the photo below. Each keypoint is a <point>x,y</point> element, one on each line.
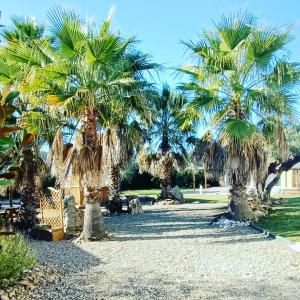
<point>243,239</point>
<point>171,210</point>
<point>168,225</point>
<point>154,288</point>
<point>65,256</point>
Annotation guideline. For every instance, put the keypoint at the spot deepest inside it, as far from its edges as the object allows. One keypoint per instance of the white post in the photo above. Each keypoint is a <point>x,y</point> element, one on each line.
<point>200,189</point>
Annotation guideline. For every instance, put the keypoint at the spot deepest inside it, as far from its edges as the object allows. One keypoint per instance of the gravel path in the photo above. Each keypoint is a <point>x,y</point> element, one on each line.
<point>172,252</point>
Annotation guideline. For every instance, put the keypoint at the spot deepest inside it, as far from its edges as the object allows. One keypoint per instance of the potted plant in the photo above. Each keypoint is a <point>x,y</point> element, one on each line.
<point>41,232</point>
<point>2,222</point>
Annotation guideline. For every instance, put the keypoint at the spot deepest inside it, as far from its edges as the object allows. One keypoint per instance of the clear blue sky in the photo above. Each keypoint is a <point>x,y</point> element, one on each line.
<point>161,24</point>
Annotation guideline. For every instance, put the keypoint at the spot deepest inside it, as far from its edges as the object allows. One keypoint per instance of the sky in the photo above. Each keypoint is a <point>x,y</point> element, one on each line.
<point>160,25</point>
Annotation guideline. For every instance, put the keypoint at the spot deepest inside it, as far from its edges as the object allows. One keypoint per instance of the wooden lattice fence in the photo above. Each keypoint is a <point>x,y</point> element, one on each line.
<point>51,204</point>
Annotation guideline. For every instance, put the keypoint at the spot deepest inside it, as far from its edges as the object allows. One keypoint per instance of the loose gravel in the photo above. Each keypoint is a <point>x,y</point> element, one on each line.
<point>172,252</point>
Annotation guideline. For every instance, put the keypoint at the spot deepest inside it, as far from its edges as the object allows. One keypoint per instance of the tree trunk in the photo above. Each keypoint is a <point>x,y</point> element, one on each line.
<point>166,182</point>
<point>114,205</point>
<point>238,206</point>
<point>194,181</point>
<point>93,226</point>
<point>29,199</point>
<point>264,191</point>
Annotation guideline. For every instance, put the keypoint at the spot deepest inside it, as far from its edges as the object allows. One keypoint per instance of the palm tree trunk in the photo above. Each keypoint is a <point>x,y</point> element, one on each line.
<point>165,183</point>
<point>239,207</point>
<point>93,226</point>
<point>114,205</point>
<point>29,199</point>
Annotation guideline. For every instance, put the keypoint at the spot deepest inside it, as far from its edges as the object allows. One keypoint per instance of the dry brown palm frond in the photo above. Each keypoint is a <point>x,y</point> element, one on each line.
<point>69,166</point>
<point>111,148</point>
<point>155,164</point>
<point>178,161</point>
<point>98,155</point>
<point>260,164</point>
<point>66,149</point>
<point>85,161</point>
<point>126,153</point>
<point>245,146</point>
<point>78,140</point>
<point>213,155</point>
<point>55,156</point>
<point>282,142</point>
<point>147,162</point>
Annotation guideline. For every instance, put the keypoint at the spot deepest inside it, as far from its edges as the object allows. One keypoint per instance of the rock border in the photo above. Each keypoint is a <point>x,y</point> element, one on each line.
<point>29,281</point>
<point>261,230</point>
<point>294,246</point>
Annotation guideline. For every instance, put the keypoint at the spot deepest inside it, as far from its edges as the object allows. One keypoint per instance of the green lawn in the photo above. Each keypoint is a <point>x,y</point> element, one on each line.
<point>284,219</point>
<point>189,198</point>
<point>206,198</point>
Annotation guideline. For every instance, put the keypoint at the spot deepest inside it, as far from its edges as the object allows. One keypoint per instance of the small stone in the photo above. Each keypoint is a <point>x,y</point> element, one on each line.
<point>24,283</point>
<point>11,294</point>
<point>3,297</point>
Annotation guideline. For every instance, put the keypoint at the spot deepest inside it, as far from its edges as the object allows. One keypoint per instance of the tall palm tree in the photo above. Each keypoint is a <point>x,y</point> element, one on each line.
<point>123,140</point>
<point>78,72</point>
<point>24,29</point>
<point>25,162</point>
<point>241,76</point>
<point>168,137</point>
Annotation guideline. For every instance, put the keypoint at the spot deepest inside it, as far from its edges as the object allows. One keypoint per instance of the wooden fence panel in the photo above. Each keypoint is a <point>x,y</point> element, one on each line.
<point>51,205</point>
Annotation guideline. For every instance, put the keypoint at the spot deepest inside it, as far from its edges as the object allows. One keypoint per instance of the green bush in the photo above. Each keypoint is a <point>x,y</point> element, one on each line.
<point>132,179</point>
<point>2,221</point>
<point>15,256</point>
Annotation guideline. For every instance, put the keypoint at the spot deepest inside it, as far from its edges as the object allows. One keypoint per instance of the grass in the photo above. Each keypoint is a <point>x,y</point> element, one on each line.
<point>15,256</point>
<point>284,220</point>
<point>207,198</point>
<point>150,192</point>
<point>188,198</point>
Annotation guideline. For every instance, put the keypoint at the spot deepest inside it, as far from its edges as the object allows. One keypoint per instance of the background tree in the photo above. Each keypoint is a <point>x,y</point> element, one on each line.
<point>241,76</point>
<point>167,141</point>
<point>128,138</point>
<point>279,162</point>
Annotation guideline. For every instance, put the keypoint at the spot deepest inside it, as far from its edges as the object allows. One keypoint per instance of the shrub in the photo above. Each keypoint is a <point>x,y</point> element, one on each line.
<point>132,179</point>
<point>15,256</point>
<point>2,221</point>
<point>41,226</point>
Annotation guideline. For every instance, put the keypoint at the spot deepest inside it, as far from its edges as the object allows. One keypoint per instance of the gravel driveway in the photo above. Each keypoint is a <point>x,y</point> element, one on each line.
<point>172,252</point>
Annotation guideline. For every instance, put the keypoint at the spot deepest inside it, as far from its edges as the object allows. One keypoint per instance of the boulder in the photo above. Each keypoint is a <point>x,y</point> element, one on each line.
<point>177,194</point>
<point>135,206</point>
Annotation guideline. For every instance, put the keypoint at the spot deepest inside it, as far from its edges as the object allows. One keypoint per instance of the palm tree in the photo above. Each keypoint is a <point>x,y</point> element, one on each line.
<point>79,71</point>
<point>24,29</point>
<point>167,140</point>
<point>25,162</point>
<point>241,76</point>
<point>123,140</point>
